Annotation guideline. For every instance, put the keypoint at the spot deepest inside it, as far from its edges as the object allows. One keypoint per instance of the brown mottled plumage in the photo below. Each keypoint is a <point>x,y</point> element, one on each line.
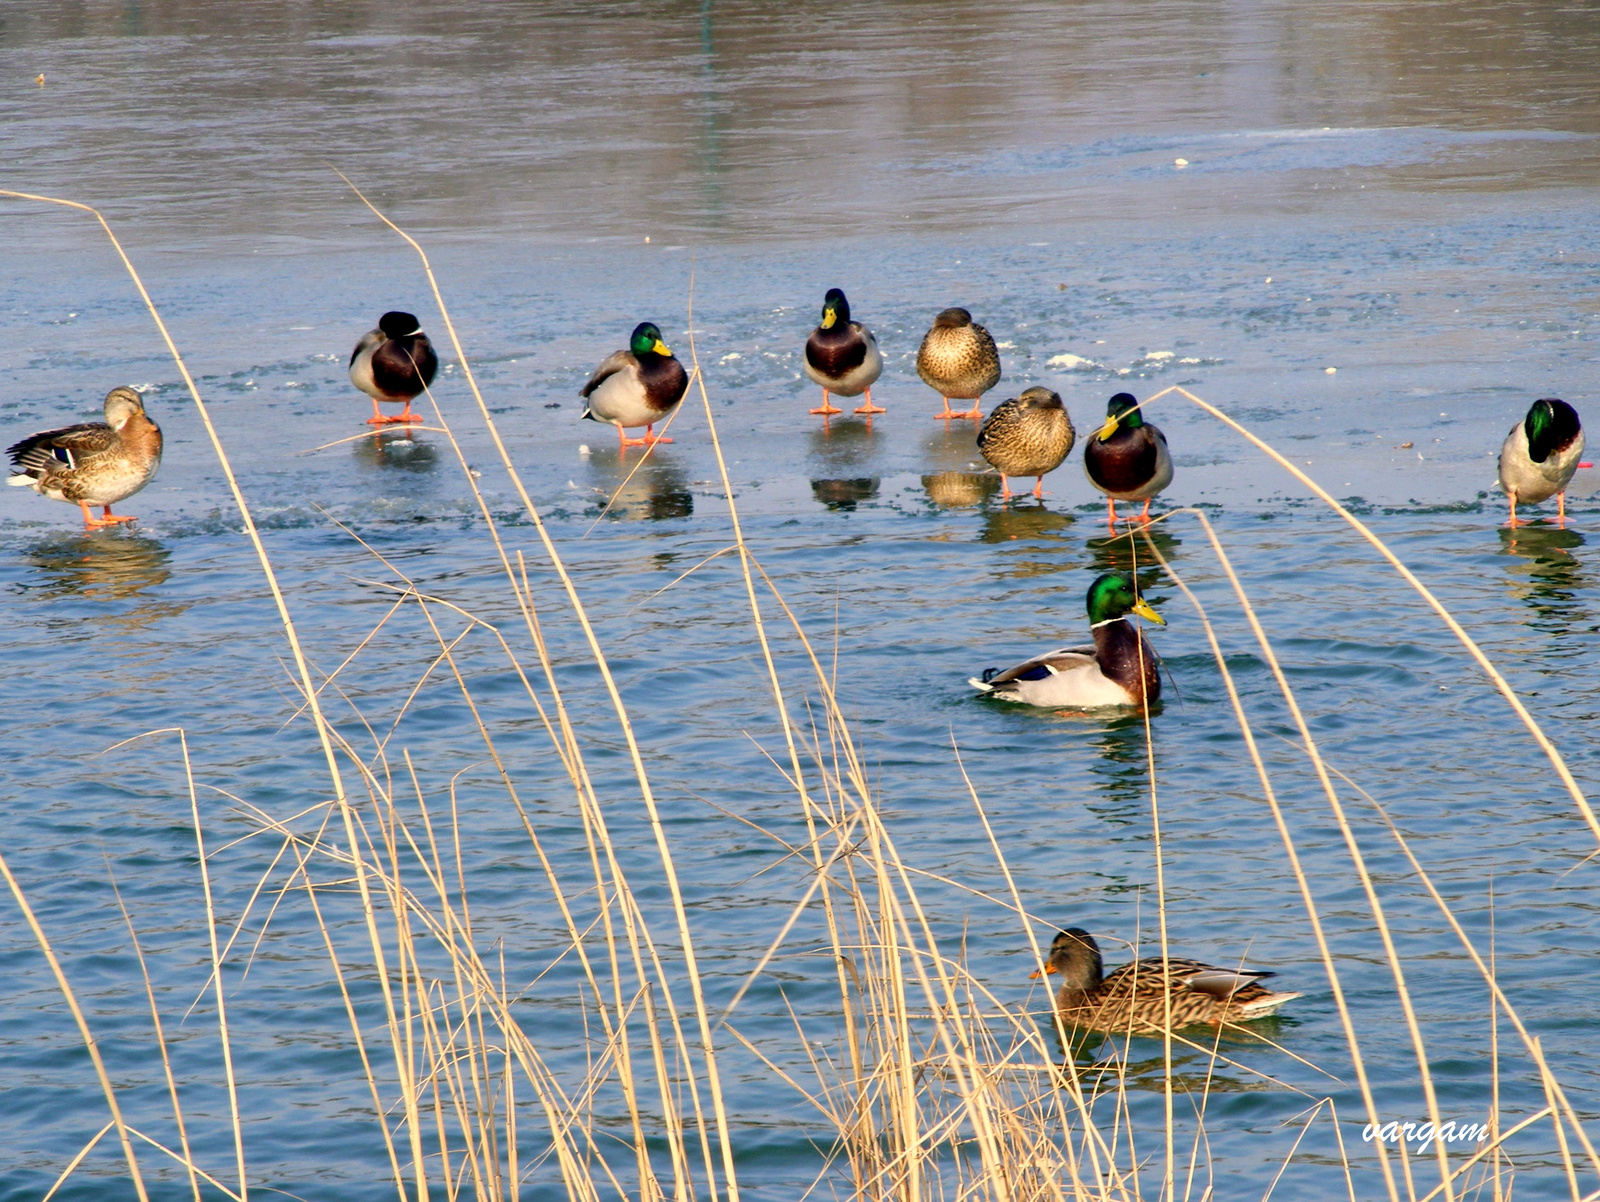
<point>1133,998</point>
<point>94,463</point>
<point>1028,435</point>
<point>958,359</point>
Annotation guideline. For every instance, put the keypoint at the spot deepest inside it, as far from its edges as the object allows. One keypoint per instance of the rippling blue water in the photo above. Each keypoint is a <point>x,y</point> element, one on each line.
<point>1383,211</point>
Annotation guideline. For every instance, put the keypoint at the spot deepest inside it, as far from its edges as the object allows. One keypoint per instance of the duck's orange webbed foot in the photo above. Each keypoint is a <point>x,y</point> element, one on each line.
<point>869,408</point>
<point>827,408</point>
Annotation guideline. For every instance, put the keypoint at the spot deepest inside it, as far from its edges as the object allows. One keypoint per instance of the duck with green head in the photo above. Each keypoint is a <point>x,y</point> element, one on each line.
<point>1119,670</point>
<point>394,364</point>
<point>1539,456</point>
<point>842,356</point>
<point>1127,458</point>
<point>637,387</point>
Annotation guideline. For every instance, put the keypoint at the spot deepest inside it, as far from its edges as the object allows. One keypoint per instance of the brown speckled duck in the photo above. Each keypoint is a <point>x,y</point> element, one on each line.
<point>842,356</point>
<point>1132,999</point>
<point>1127,458</point>
<point>394,363</point>
<point>958,359</point>
<point>1028,435</point>
<point>94,463</point>
<point>1119,670</point>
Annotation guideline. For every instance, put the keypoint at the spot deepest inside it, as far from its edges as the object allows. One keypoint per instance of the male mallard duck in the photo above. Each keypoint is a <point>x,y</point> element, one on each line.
<point>1127,458</point>
<point>637,387</point>
<point>842,356</point>
<point>393,364</point>
<point>1028,435</point>
<point>1539,456</point>
<point>94,463</point>
<point>958,359</point>
<point>1119,670</point>
<point>1131,998</point>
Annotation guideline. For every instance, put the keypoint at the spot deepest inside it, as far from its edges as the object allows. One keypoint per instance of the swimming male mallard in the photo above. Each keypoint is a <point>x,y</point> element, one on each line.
<point>637,387</point>
<point>1127,458</point>
<point>1539,456</point>
<point>1119,670</point>
<point>94,463</point>
<point>393,364</point>
<point>958,359</point>
<point>842,356</point>
<point>1028,435</point>
<point>1132,998</point>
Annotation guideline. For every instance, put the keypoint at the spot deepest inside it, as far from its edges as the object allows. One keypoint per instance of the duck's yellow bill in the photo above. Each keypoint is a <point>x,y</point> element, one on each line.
<point>661,348</point>
<point>1048,970</point>
<point>1107,430</point>
<point>828,319</point>
<point>1142,608</point>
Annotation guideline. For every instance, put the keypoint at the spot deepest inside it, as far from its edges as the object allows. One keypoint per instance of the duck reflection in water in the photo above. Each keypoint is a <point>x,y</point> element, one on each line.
<point>1032,538</point>
<point>1121,772</point>
<point>838,448</point>
<point>398,449</point>
<point>124,567</point>
<point>1130,554</point>
<point>1550,576</point>
<point>649,490</point>
<point>845,494</point>
<point>960,490</point>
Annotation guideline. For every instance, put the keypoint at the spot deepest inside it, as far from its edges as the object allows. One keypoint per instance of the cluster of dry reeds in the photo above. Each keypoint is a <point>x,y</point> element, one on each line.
<point>925,1084</point>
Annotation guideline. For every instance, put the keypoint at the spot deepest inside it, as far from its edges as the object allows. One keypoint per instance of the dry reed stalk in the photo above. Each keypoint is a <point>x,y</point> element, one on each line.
<point>1489,670</point>
<point>691,970</point>
<point>1302,883</point>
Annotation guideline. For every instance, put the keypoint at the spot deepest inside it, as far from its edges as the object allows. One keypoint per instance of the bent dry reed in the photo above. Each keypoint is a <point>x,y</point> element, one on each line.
<point>923,1083</point>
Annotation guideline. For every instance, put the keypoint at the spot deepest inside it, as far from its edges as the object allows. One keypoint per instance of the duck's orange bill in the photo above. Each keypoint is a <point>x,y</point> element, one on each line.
<point>1048,970</point>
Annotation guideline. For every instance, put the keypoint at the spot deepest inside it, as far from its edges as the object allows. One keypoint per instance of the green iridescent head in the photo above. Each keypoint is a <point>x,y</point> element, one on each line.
<point>1122,410</point>
<point>1113,596</point>
<point>1551,425</point>
<point>835,309</point>
<point>647,340</point>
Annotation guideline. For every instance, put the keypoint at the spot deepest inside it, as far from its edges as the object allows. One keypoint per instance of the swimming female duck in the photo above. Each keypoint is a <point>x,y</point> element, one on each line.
<point>393,364</point>
<point>958,358</point>
<point>637,387</point>
<point>1119,670</point>
<point>94,463</point>
<point>1127,458</point>
<point>1028,435</point>
<point>1540,455</point>
<point>842,356</point>
<point>1133,998</point>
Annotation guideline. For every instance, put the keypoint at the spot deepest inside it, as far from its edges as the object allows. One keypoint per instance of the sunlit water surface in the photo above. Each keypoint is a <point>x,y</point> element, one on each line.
<point>1400,192</point>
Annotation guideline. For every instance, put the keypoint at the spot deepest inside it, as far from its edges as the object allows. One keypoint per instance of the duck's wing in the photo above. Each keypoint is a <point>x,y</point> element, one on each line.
<point>609,366</point>
<point>997,423</point>
<point>61,450</point>
<point>370,340</point>
<point>1208,978</point>
<point>1051,663</point>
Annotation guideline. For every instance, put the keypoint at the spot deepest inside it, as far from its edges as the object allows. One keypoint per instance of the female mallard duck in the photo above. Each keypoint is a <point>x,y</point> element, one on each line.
<point>1028,435</point>
<point>95,463</point>
<point>1119,670</point>
<point>637,387</point>
<point>958,359</point>
<point>1133,998</point>
<point>1127,458</point>
<point>842,356</point>
<point>1539,456</point>
<point>393,364</point>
